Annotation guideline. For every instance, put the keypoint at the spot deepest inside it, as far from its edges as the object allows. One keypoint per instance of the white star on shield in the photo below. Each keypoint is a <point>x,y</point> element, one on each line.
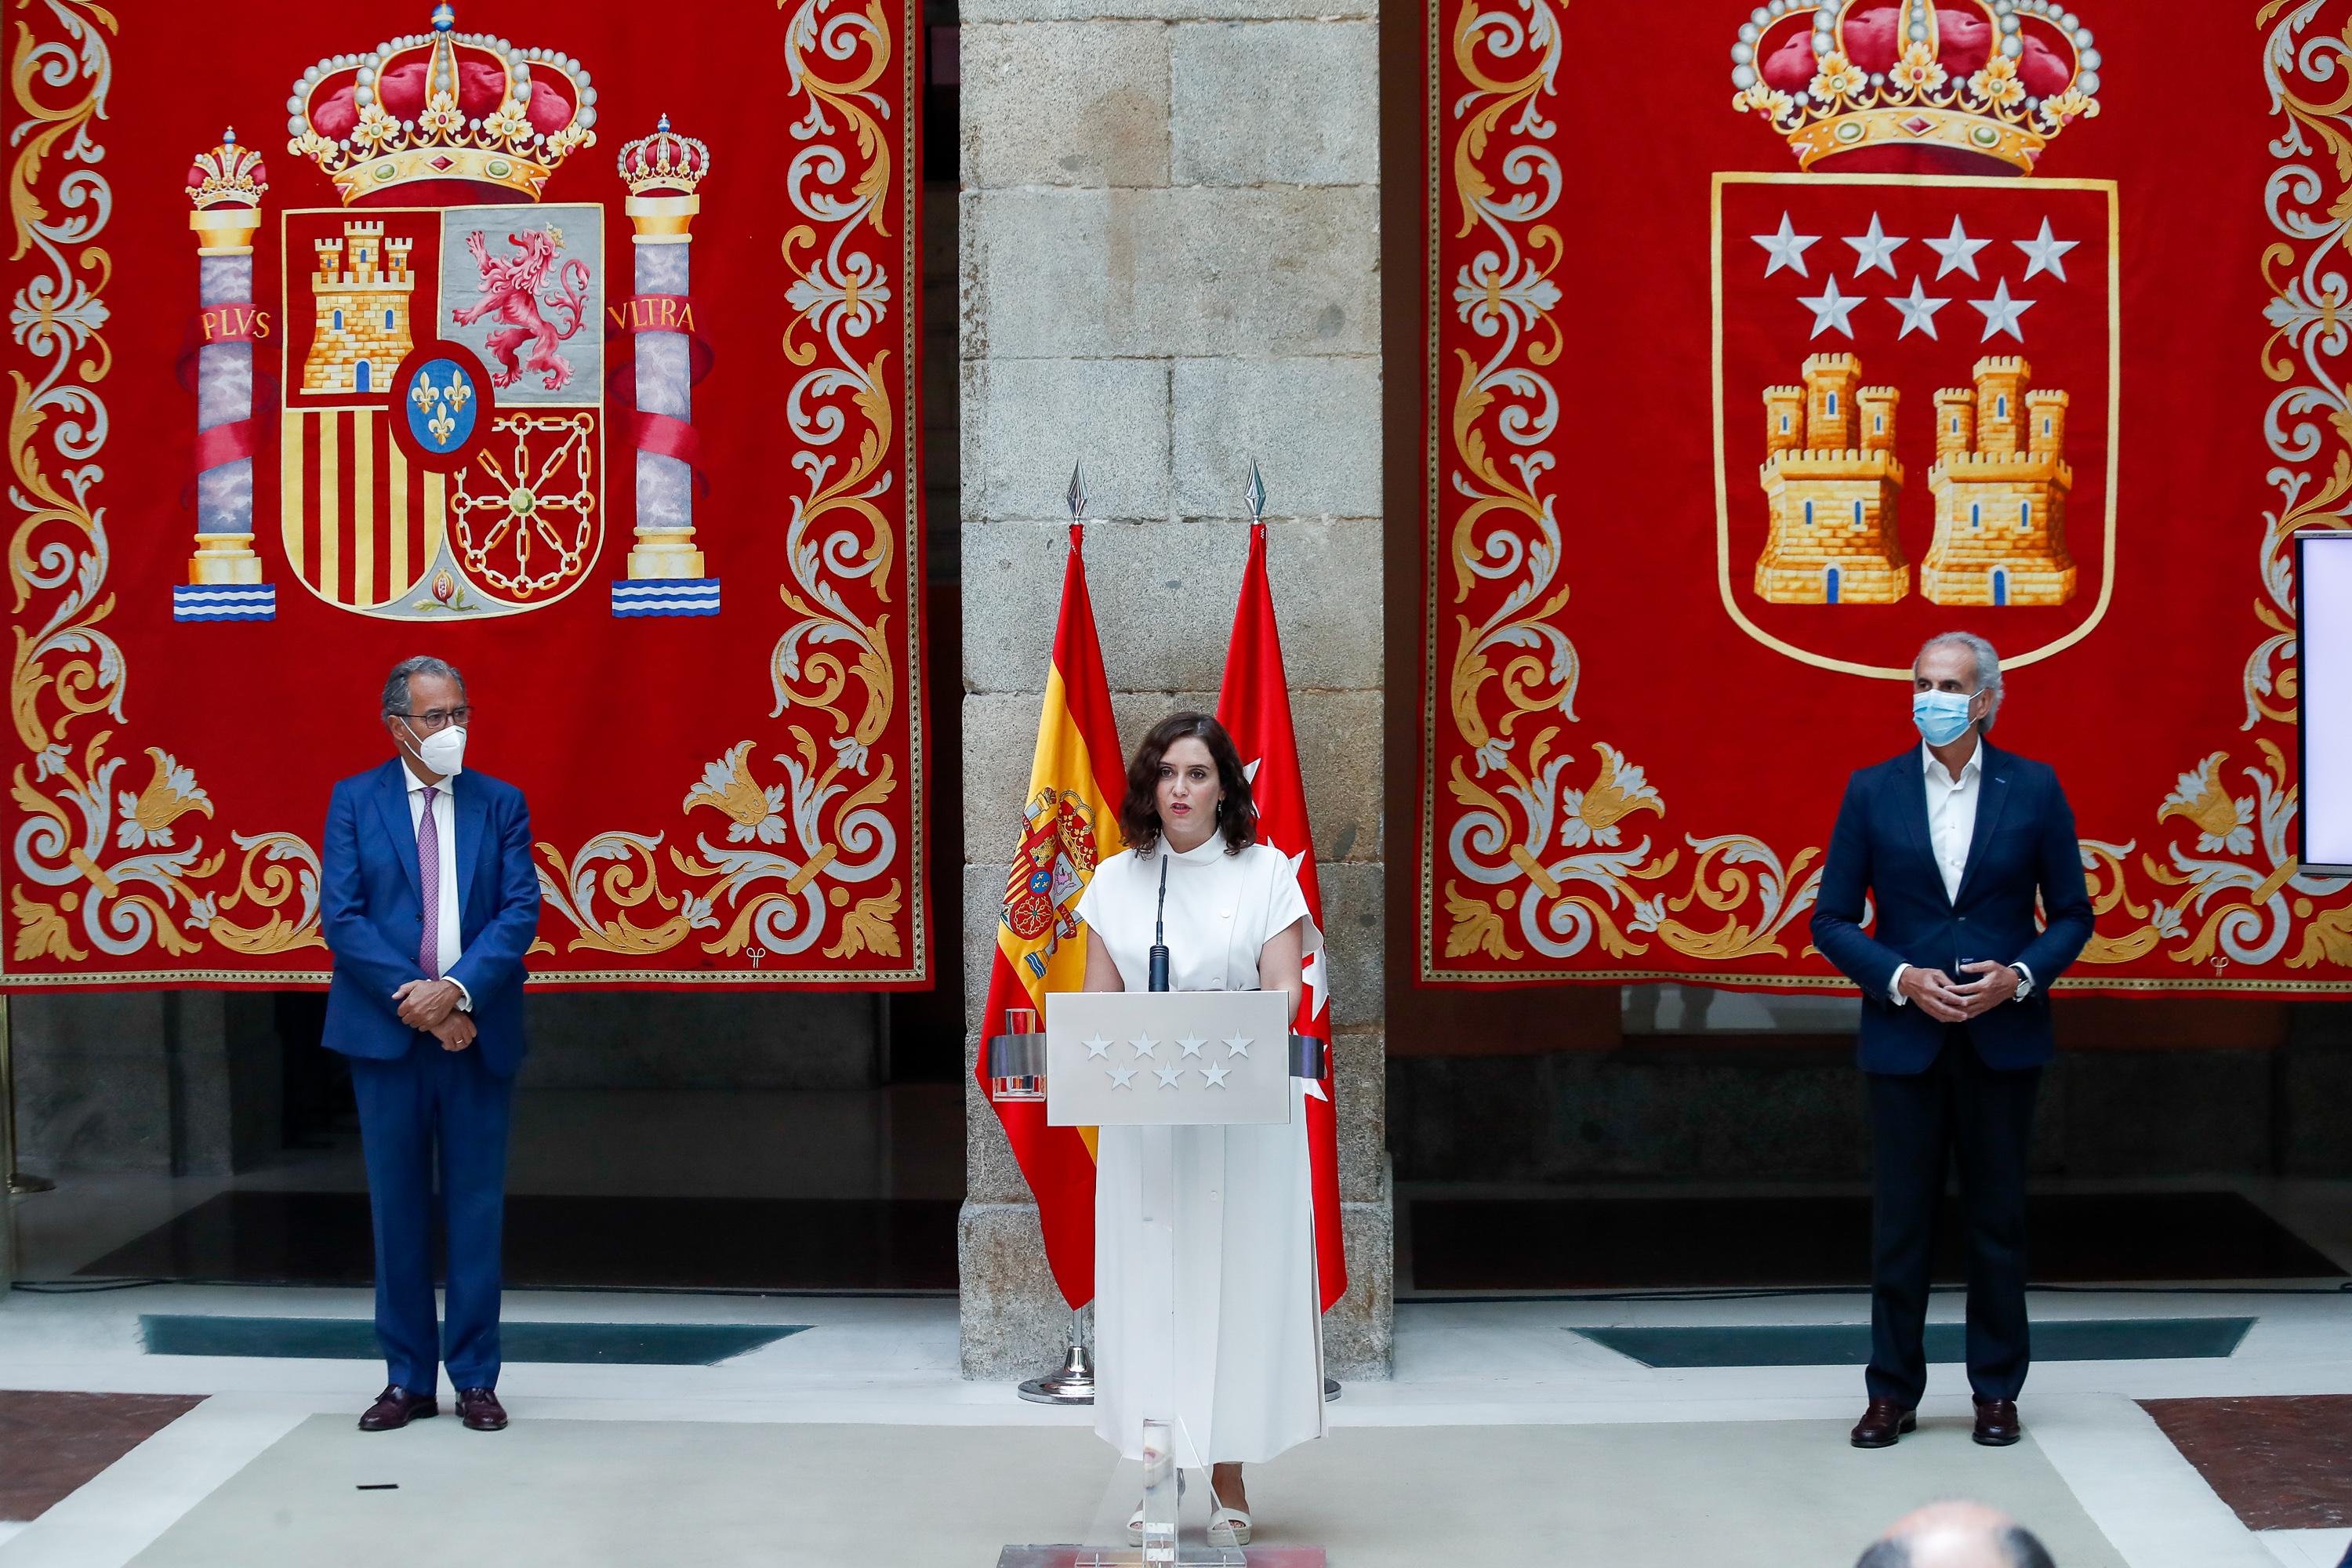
<point>1918,310</point>
<point>2045,254</point>
<point>1875,248</point>
<point>1832,309</point>
<point>1787,249</point>
<point>1959,251</point>
<point>2001,312</point>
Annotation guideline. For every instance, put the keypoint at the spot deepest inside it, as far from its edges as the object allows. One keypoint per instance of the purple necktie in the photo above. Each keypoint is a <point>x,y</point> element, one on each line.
<point>428,875</point>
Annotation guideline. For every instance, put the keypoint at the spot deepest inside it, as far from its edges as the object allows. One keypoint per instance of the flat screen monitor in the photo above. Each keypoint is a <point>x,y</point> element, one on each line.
<point>2323,574</point>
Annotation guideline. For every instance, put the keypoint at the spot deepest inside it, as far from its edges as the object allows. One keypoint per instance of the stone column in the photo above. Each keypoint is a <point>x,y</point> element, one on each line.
<point>1171,235</point>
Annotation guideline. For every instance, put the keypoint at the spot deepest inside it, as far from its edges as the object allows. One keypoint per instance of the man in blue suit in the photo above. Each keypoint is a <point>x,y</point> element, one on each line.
<point>429,899</point>
<point>1953,841</point>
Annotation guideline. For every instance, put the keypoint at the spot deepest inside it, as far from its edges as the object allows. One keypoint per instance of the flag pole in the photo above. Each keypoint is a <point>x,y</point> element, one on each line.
<point>1073,1381</point>
<point>1254,497</point>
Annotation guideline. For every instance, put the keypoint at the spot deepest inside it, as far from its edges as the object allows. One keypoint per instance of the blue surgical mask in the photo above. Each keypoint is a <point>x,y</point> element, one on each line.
<point>1942,716</point>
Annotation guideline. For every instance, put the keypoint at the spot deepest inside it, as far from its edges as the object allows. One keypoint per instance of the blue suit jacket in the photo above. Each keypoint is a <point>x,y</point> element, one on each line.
<point>2023,845</point>
<point>373,915</point>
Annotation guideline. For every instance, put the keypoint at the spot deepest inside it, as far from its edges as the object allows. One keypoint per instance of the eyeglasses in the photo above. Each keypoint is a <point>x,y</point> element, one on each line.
<point>438,719</point>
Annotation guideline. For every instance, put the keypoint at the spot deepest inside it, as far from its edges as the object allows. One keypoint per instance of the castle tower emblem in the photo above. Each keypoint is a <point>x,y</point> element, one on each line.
<point>362,292</point>
<point>2000,480</point>
<point>1831,481</point>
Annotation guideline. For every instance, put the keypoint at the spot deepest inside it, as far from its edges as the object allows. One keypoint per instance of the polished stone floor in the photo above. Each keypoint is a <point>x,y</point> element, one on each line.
<point>1514,1429</point>
<point>56,1443</point>
<point>1505,1429</point>
<point>647,1491</point>
<point>2283,1463</point>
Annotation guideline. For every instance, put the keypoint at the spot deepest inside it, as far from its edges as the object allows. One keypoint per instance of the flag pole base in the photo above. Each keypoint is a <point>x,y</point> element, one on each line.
<point>21,1182</point>
<point>1074,1383</point>
<point>1330,1389</point>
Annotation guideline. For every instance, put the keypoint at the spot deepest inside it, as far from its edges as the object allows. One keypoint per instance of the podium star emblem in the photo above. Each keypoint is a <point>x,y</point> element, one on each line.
<point>1215,1075</point>
<point>1095,1045</point>
<point>1121,1078</point>
<point>1168,1077</point>
<point>1192,1044</point>
<point>1238,1046</point>
<point>1144,1045</point>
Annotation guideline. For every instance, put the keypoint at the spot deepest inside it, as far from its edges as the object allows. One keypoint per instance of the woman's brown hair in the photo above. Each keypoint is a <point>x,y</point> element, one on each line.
<point>1139,814</point>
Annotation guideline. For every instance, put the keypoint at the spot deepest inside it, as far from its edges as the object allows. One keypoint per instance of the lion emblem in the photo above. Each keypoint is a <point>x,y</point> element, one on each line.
<point>517,292</point>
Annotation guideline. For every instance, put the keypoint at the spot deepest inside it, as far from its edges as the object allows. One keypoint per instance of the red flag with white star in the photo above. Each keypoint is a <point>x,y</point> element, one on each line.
<point>1255,708</point>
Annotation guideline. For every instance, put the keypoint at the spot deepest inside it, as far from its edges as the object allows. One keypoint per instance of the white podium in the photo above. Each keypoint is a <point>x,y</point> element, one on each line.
<point>1167,1059</point>
<point>1159,1060</point>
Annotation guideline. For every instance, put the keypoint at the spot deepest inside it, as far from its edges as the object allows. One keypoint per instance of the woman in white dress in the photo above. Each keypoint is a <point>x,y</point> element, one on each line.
<point>1245,1379</point>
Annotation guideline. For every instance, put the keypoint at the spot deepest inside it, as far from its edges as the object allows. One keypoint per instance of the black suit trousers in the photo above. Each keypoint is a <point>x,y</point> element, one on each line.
<point>1959,1111</point>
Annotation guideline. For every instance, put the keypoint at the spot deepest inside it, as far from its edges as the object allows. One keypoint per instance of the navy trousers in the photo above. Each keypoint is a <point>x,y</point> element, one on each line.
<point>435,1113</point>
<point>1959,1111</point>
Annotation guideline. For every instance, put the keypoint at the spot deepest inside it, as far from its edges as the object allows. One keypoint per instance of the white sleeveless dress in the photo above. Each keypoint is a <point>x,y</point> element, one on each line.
<point>1242,1378</point>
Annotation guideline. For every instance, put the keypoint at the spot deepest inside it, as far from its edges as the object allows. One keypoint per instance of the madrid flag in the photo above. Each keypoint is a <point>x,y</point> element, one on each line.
<point>1070,825</point>
<point>1255,708</point>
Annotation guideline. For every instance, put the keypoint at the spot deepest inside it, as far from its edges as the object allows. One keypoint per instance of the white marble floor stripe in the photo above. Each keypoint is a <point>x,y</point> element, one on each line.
<point>2308,1548</point>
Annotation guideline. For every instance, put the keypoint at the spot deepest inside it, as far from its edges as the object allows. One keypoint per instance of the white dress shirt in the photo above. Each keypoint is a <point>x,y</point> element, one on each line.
<point>445,829</point>
<point>1951,829</point>
<point>1952,813</point>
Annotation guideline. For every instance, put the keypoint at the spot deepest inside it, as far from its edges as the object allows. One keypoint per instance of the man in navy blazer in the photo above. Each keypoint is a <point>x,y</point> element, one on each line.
<point>429,899</point>
<point>1952,841</point>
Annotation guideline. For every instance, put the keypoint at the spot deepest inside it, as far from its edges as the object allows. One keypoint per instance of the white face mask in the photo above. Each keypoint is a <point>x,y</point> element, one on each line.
<point>444,751</point>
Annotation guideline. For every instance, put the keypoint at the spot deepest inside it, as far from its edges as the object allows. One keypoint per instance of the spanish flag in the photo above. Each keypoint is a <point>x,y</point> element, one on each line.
<point>1070,825</point>
<point>1255,708</point>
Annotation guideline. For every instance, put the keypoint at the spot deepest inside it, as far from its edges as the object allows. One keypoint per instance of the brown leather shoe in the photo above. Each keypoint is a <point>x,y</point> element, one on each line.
<point>480,1410</point>
<point>396,1407</point>
<point>1883,1424</point>
<point>1997,1423</point>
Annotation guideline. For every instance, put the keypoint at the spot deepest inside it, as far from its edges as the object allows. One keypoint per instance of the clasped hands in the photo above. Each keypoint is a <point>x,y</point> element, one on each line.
<point>432,1005</point>
<point>1941,998</point>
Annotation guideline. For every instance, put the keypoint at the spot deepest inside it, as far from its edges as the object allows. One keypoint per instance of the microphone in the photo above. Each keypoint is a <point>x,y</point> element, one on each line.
<point>1158,981</point>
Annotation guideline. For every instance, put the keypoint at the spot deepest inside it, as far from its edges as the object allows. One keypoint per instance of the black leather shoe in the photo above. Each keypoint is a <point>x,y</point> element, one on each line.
<point>1883,1424</point>
<point>480,1410</point>
<point>1997,1423</point>
<point>396,1407</point>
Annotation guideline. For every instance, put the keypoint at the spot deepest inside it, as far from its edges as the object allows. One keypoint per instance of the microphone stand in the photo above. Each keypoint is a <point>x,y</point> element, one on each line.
<point>1158,981</point>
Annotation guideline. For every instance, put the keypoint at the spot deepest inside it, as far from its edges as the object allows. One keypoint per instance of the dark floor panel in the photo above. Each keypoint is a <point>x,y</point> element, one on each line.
<point>353,1338</point>
<point>1600,1243</point>
<point>2283,1463</point>
<point>1848,1344</point>
<point>54,1444</point>
<point>774,1244</point>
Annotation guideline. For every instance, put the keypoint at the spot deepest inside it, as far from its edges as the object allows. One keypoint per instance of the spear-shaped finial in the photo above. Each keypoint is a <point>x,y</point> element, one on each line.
<point>1077,496</point>
<point>1256,494</point>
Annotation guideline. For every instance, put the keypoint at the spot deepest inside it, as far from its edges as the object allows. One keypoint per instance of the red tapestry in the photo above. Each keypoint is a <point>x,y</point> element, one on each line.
<point>574,345</point>
<point>1842,327</point>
